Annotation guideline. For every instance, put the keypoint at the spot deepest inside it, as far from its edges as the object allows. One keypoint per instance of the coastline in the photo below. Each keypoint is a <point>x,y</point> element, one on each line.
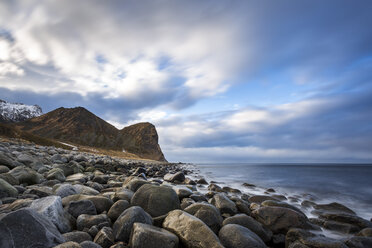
<point>85,199</point>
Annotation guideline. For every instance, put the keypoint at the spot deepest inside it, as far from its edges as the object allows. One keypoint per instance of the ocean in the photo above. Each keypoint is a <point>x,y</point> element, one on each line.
<point>348,184</point>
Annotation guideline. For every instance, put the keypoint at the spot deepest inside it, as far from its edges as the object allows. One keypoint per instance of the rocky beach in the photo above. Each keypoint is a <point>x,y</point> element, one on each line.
<point>52,197</point>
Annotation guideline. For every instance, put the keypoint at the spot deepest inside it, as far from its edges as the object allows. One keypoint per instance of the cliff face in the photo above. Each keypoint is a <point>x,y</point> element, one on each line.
<point>15,112</point>
<point>79,126</point>
<point>142,138</point>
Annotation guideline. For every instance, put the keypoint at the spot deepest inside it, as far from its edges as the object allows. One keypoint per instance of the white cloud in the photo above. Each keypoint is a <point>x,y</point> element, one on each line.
<point>7,68</point>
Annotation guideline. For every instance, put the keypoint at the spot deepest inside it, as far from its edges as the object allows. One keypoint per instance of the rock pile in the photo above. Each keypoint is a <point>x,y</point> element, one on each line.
<point>52,197</point>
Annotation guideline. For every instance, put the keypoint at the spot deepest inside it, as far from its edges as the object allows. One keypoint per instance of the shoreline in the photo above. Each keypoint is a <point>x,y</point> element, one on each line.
<point>85,200</point>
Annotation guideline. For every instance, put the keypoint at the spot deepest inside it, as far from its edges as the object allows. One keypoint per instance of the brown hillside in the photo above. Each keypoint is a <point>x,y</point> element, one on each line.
<point>142,138</point>
<point>79,126</point>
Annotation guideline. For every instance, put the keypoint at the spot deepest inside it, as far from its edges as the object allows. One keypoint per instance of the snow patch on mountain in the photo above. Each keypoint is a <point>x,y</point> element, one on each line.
<point>15,112</point>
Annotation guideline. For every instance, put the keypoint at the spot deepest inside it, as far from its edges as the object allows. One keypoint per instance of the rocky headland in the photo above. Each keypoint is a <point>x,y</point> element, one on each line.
<point>52,197</point>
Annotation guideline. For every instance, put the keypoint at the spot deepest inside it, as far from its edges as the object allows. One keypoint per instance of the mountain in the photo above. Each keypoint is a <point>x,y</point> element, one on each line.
<point>80,126</point>
<point>16,112</point>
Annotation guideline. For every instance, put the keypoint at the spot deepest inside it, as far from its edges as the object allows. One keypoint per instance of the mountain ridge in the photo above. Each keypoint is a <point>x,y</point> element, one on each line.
<point>80,126</point>
<point>16,112</point>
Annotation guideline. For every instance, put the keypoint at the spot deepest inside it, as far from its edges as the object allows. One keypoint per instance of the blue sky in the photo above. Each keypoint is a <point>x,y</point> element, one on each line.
<point>223,81</point>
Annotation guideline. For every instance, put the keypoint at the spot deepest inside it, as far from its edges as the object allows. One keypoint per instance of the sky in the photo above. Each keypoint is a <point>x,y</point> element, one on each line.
<point>222,80</point>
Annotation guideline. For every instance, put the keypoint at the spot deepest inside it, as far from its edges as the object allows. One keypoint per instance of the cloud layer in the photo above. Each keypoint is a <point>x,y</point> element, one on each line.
<point>296,76</point>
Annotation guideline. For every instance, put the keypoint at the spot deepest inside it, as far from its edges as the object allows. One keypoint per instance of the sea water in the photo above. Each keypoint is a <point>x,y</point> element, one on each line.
<point>348,184</point>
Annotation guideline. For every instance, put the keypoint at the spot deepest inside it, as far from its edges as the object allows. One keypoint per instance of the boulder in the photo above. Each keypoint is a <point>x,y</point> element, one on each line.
<point>26,175</point>
<point>85,190</point>
<point>9,178</point>
<point>237,236</point>
<point>333,207</point>
<point>87,221</point>
<point>260,198</point>
<point>300,238</point>
<point>251,224</point>
<point>192,232</point>
<point>183,193</point>
<point>123,225</point>
<point>101,203</point>
<point>117,209</point>
<point>56,173</point>
<point>25,159</point>
<point>7,161</point>
<point>271,203</point>
<point>51,208</point>
<point>64,190</point>
<point>366,232</point>
<point>105,237</point>
<point>4,169</point>
<point>359,242</point>
<point>134,184</point>
<point>224,204</point>
<point>78,177</point>
<point>89,244</point>
<point>280,220</point>
<point>7,190</point>
<point>208,213</point>
<point>77,236</point>
<point>178,177</point>
<point>76,208</point>
<point>69,244</point>
<point>156,200</point>
<point>147,236</point>
<point>347,218</point>
<point>27,228</point>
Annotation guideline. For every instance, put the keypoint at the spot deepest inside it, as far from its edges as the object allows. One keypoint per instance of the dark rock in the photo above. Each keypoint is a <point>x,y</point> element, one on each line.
<point>224,204</point>
<point>156,200</point>
<point>231,190</point>
<point>56,173</point>
<point>191,231</point>
<point>101,203</point>
<point>38,232</point>
<point>64,190</point>
<point>271,203</point>
<point>105,237</point>
<point>7,190</point>
<point>76,208</point>
<point>236,236</point>
<point>186,202</point>
<point>301,238</point>
<point>260,198</point>
<point>87,221</point>
<point>178,177</point>
<point>4,169</point>
<point>123,225</point>
<point>89,244</point>
<point>183,193</point>
<point>334,207</point>
<point>5,160</point>
<point>198,197</point>
<point>359,242</point>
<point>202,181</point>
<point>251,224</point>
<point>77,236</point>
<point>26,175</point>
<point>9,178</point>
<point>117,209</point>
<point>366,232</point>
<point>347,218</point>
<point>208,213</point>
<point>69,244</point>
<point>280,220</point>
<point>147,236</point>
<point>134,184</point>
<point>214,187</point>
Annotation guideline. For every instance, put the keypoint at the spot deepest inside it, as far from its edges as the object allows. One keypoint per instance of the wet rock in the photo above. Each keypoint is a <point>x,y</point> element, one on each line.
<point>224,204</point>
<point>333,207</point>
<point>147,236</point>
<point>186,202</point>
<point>280,220</point>
<point>366,232</point>
<point>26,175</point>
<point>347,218</point>
<point>77,236</point>
<point>117,209</point>
<point>201,181</point>
<point>105,237</point>
<point>123,225</point>
<point>301,238</point>
<point>260,198</point>
<point>7,190</point>
<point>251,224</point>
<point>198,197</point>
<point>87,221</point>
<point>183,193</point>
<point>40,232</point>
<point>271,203</point>
<point>156,200</point>
<point>214,187</point>
<point>51,208</point>
<point>359,242</point>
<point>76,208</point>
<point>236,236</point>
<point>208,213</point>
<point>231,190</point>
<point>191,231</point>
<point>178,177</point>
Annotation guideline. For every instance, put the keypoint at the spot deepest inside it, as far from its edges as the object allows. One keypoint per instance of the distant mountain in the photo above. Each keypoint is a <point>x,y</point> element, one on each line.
<point>79,126</point>
<point>16,112</point>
